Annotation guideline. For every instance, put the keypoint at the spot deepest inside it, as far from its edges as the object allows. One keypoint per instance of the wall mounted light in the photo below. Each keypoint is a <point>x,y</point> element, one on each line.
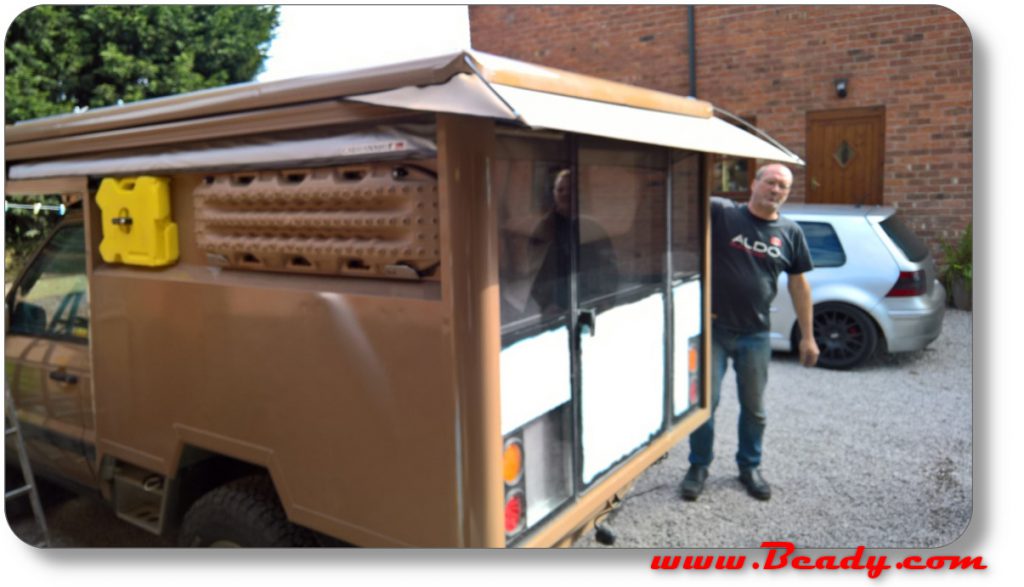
<point>841,87</point>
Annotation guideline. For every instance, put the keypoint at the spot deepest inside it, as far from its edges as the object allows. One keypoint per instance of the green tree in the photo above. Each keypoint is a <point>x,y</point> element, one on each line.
<point>62,58</point>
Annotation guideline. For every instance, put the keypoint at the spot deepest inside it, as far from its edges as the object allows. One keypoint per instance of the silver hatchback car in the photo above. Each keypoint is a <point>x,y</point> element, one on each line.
<point>874,286</point>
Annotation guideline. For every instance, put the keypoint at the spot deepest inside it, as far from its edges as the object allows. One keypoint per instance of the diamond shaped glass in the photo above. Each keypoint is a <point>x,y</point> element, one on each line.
<point>843,154</point>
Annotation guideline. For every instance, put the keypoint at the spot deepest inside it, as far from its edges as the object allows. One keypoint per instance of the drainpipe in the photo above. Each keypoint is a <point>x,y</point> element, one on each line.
<point>702,162</point>
<point>692,26</point>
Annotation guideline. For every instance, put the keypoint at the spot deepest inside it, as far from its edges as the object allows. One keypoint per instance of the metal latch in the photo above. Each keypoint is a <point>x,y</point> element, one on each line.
<point>122,220</point>
<point>588,322</point>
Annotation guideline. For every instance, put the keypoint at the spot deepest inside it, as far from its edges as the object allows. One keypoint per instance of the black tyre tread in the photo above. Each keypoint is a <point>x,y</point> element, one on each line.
<point>872,336</point>
<point>247,511</point>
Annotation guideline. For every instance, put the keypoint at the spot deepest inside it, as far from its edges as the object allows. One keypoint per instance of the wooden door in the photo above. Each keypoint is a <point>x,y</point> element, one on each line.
<point>845,156</point>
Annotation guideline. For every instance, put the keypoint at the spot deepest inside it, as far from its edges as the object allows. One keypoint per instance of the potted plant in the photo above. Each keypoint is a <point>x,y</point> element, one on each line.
<point>959,270</point>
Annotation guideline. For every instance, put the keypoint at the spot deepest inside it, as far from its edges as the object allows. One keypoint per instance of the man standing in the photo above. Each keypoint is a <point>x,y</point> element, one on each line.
<point>750,245</point>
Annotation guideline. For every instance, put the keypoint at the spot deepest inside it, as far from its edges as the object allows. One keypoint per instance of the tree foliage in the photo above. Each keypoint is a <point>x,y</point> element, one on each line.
<point>62,58</point>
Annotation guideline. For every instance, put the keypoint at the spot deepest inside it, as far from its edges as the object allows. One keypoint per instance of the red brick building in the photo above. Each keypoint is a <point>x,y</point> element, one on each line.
<point>899,135</point>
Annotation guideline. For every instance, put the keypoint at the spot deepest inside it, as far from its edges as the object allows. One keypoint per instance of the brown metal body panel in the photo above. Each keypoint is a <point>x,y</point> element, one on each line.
<point>472,315</point>
<point>341,388</point>
<point>53,407</point>
<point>56,185</point>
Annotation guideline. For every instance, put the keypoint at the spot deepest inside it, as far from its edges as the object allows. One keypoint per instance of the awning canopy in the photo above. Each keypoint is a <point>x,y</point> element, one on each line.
<point>468,83</point>
<point>466,95</point>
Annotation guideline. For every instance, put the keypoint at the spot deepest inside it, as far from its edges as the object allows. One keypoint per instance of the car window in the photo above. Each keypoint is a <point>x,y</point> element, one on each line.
<point>52,298</point>
<point>914,248</point>
<point>826,250</point>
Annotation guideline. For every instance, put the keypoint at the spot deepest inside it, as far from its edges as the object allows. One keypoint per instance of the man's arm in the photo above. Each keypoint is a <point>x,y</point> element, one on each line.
<point>800,293</point>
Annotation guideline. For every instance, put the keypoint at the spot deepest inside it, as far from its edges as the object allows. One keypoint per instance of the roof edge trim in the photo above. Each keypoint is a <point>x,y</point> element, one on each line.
<point>240,97</point>
<point>528,76</point>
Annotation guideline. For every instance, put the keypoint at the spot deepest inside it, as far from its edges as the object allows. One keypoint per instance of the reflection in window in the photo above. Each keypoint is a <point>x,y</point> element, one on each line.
<point>52,297</point>
<point>687,215</point>
<point>534,242</point>
<point>729,176</point>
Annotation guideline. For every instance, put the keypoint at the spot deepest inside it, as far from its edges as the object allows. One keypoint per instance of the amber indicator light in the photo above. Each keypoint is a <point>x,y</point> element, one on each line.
<point>513,461</point>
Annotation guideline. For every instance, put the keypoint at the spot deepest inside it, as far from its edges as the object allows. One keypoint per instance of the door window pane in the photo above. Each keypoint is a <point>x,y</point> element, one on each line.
<point>52,298</point>
<point>529,184</point>
<point>622,221</point>
<point>621,278</point>
<point>534,244</point>
<point>687,215</point>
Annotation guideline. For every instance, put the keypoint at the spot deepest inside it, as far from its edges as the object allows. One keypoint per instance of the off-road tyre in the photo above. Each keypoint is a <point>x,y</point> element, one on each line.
<point>245,512</point>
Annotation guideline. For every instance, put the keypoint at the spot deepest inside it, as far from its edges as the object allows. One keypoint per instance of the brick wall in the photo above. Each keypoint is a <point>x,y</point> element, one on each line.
<point>777,63</point>
<point>640,45</point>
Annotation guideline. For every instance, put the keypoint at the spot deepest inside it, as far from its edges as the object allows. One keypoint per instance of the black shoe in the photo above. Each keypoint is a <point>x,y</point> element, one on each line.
<point>756,485</point>
<point>693,482</point>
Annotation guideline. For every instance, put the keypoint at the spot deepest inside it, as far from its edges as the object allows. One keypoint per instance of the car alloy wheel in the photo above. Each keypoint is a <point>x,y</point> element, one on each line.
<point>845,335</point>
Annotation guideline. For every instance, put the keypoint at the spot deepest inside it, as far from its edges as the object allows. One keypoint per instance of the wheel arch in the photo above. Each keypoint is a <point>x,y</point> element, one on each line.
<point>200,471</point>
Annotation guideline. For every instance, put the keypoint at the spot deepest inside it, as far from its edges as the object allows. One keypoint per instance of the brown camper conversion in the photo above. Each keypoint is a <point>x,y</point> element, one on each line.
<point>459,301</point>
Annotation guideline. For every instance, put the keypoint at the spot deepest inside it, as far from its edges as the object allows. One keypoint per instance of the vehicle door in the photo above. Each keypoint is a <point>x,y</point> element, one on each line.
<point>47,355</point>
<point>600,325</point>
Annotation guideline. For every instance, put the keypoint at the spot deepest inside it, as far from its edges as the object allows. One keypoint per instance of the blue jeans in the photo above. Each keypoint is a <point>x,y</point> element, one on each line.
<point>750,354</point>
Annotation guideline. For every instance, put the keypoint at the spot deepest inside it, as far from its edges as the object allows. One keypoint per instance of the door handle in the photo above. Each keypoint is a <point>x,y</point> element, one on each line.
<point>587,320</point>
<point>814,183</point>
<point>64,377</point>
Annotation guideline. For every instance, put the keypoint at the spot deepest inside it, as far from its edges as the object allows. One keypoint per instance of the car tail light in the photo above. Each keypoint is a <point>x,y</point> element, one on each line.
<point>910,283</point>
<point>537,470</point>
<point>512,472</point>
<point>515,507</point>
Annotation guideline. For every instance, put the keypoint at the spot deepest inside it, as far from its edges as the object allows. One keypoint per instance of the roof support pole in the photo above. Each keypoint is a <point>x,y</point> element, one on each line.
<point>472,321</point>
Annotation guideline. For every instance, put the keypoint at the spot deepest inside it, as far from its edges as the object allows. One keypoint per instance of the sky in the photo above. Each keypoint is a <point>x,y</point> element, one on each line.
<point>320,39</point>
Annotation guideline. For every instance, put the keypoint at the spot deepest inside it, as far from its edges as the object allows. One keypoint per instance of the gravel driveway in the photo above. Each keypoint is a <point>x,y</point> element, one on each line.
<point>879,456</point>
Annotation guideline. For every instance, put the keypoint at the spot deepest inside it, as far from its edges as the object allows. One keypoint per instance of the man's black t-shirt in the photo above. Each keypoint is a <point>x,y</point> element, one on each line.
<point>747,255</point>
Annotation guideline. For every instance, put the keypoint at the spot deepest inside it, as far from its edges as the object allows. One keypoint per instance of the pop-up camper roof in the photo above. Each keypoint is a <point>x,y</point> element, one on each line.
<point>215,128</point>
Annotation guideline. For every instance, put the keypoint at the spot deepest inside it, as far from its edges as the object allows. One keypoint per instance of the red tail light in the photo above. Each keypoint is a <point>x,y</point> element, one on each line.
<point>514,510</point>
<point>910,283</point>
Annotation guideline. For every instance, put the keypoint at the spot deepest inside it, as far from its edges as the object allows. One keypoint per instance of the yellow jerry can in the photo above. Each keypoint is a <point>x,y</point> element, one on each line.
<point>137,226</point>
